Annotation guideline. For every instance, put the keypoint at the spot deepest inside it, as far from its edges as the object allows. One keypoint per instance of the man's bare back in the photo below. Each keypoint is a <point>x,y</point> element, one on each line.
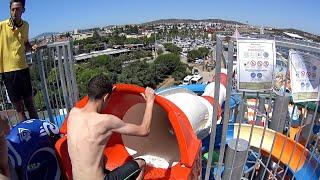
<point>87,138</point>
<point>89,132</point>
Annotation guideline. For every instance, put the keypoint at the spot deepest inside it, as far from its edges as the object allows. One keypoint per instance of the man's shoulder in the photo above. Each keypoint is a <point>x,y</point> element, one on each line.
<point>4,22</point>
<point>26,23</point>
<point>78,113</point>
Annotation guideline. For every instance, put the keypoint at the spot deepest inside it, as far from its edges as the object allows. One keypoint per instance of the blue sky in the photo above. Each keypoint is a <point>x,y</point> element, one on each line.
<point>64,15</point>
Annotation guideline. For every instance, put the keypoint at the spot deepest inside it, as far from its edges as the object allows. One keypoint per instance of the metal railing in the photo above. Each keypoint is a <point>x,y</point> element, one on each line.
<point>234,154</point>
<point>54,83</point>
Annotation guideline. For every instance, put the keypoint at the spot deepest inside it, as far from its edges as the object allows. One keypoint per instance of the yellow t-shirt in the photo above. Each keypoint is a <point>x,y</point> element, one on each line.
<point>12,46</point>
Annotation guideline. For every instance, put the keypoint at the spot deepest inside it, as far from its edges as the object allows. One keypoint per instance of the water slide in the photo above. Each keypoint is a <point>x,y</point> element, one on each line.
<point>173,149</point>
<point>180,119</point>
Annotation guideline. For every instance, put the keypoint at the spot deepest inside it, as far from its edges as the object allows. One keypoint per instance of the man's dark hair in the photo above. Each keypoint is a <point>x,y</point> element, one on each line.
<point>23,2</point>
<point>99,86</point>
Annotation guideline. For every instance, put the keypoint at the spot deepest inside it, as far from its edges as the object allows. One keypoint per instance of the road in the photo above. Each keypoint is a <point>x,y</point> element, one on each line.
<point>207,75</point>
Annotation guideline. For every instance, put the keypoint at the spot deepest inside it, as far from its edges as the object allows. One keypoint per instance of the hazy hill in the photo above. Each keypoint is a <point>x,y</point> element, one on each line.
<point>177,21</point>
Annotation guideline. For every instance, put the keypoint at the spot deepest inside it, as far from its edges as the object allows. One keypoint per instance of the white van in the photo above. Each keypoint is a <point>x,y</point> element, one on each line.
<point>187,80</point>
<point>197,79</point>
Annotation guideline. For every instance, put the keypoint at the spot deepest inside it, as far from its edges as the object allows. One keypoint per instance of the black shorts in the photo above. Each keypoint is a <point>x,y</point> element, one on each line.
<point>18,84</point>
<point>129,171</point>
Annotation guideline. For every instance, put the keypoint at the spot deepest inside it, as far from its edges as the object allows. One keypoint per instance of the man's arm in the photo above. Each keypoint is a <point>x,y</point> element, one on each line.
<point>137,130</point>
<point>30,47</point>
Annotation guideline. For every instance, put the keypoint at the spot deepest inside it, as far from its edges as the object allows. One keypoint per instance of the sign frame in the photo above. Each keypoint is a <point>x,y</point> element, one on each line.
<point>304,75</point>
<point>256,60</point>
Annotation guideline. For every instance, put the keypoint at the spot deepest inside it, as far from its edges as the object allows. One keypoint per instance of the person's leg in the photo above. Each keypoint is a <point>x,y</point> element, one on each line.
<point>28,102</point>
<point>20,110</point>
<point>142,165</point>
<point>27,94</point>
<point>15,86</point>
<point>131,170</point>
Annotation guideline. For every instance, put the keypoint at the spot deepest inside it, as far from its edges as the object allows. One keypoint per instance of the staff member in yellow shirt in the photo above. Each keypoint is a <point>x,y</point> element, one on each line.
<point>13,66</point>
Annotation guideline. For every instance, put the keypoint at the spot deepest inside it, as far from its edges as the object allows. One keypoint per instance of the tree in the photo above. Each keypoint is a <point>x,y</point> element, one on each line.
<point>96,36</point>
<point>170,64</point>
<point>83,74</point>
<point>132,29</point>
<point>39,100</point>
<point>202,52</point>
<point>89,47</point>
<point>180,71</point>
<point>193,55</point>
<point>159,51</point>
<point>139,73</point>
<point>133,41</point>
<point>99,61</point>
<point>172,48</point>
<point>166,63</point>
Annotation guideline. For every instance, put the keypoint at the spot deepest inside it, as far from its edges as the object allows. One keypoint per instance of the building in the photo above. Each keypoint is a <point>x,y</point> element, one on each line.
<point>293,36</point>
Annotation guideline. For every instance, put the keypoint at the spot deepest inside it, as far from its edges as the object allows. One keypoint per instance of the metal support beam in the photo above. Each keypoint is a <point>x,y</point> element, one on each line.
<point>237,148</point>
<point>261,109</point>
<point>279,113</point>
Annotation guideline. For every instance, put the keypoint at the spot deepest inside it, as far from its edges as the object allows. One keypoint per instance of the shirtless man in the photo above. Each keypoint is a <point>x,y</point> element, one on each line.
<point>4,166</point>
<point>89,132</point>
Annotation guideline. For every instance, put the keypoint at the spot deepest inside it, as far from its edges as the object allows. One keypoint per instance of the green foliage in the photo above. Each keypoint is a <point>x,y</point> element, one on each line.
<point>39,100</point>
<point>131,29</point>
<point>203,51</point>
<point>52,75</point>
<point>193,55</point>
<point>89,47</point>
<point>170,64</point>
<point>159,51</point>
<point>116,40</point>
<point>141,54</point>
<point>197,54</point>
<point>139,73</point>
<point>83,75</point>
<point>180,72</point>
<point>174,31</point>
<point>99,61</point>
<point>96,36</point>
<point>133,41</point>
<point>172,48</point>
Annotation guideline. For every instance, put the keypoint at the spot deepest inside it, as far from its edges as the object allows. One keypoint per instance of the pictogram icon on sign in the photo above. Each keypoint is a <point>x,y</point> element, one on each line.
<point>253,63</point>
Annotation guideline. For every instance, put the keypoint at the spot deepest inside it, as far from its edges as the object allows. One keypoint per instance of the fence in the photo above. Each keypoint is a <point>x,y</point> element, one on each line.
<point>270,145</point>
<point>54,83</point>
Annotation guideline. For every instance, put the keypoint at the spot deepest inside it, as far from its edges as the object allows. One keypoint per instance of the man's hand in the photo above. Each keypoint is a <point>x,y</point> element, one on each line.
<point>34,47</point>
<point>148,95</point>
<point>30,48</point>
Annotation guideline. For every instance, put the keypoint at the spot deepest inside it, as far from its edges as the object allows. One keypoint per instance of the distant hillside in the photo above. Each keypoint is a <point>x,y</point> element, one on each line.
<point>301,33</point>
<point>177,21</point>
<point>46,34</point>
